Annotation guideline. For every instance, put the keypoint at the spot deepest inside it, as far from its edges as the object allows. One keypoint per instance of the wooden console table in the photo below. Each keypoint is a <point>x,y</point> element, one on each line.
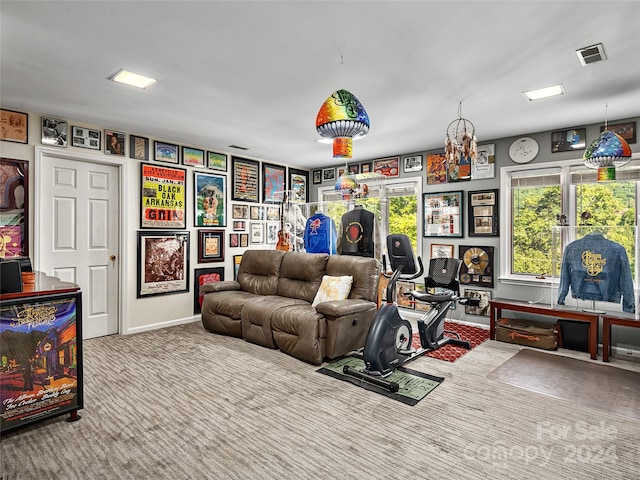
<point>498,305</point>
<point>624,320</point>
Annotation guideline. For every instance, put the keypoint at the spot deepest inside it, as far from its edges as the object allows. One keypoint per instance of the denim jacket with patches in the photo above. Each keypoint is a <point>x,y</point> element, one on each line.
<point>597,269</point>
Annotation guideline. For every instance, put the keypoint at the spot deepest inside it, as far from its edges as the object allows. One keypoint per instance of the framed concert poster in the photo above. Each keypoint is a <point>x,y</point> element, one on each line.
<point>244,240</point>
<point>443,214</point>
<point>210,246</point>
<point>436,168</point>
<point>14,208</point>
<point>299,185</point>
<point>483,213</point>
<point>217,161</point>
<point>163,197</point>
<point>477,265</point>
<point>163,263</point>
<point>210,200</point>
<point>274,182</point>
<point>193,157</point>
<point>245,177</point>
<point>389,167</point>
<point>166,152</point>
<point>138,147</point>
<point>203,276</point>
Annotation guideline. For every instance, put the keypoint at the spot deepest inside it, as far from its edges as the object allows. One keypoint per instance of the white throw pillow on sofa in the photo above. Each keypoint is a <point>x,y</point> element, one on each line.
<point>333,288</point>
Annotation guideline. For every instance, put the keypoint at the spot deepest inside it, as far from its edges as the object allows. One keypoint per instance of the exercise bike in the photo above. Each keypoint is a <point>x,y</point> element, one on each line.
<point>388,342</point>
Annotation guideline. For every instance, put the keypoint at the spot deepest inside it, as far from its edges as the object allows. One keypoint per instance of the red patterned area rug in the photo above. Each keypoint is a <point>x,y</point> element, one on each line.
<point>450,353</point>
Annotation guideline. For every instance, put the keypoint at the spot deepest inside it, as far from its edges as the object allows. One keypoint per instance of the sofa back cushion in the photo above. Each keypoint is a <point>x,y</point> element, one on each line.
<point>365,272</point>
<point>301,274</point>
<point>259,271</point>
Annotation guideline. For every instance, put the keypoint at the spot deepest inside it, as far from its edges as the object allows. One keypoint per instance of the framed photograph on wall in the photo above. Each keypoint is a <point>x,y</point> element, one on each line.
<point>256,212</point>
<point>483,213</point>
<point>366,167</point>
<point>443,214</point>
<point>317,177</point>
<point>54,132</point>
<point>568,140</point>
<point>389,167</point>
<point>245,177</point>
<point>14,126</point>
<point>85,138</point>
<point>244,240</point>
<point>441,250</point>
<point>239,225</point>
<point>240,211</point>
<point>204,276</point>
<point>483,308</point>
<point>193,157</point>
<point>210,200</point>
<point>217,161</point>
<point>412,164</point>
<point>210,246</point>
<point>477,265</point>
<point>256,230</point>
<point>163,202</point>
<point>163,263</point>
<point>328,174</point>
<point>484,163</point>
<point>626,130</point>
<point>138,147</point>
<point>299,185</point>
<point>14,208</point>
<point>272,233</point>
<point>166,152</point>
<point>114,143</point>
<point>234,240</point>
<point>274,182</point>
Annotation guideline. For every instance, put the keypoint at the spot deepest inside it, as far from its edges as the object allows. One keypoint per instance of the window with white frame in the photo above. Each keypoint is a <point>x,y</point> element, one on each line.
<point>537,198</point>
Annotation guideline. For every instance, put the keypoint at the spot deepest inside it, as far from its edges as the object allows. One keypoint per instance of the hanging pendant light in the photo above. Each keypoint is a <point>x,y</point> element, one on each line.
<point>461,144</point>
<point>342,117</point>
<point>607,152</point>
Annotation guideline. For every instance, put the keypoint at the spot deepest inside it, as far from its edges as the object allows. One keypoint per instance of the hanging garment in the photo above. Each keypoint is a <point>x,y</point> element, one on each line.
<point>320,234</point>
<point>597,269</point>
<point>357,233</point>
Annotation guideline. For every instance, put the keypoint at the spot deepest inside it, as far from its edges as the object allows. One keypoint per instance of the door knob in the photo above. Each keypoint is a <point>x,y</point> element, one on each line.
<point>112,258</point>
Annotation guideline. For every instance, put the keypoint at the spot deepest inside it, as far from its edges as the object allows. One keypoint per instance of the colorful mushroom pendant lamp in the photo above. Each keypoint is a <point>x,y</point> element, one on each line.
<point>342,117</point>
<point>607,152</point>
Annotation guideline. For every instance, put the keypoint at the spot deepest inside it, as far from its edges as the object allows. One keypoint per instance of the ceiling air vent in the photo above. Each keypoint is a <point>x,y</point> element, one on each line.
<point>238,147</point>
<point>591,54</point>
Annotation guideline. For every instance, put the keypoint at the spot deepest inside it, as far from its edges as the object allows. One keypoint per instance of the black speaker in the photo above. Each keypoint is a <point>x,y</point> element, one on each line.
<point>10,277</point>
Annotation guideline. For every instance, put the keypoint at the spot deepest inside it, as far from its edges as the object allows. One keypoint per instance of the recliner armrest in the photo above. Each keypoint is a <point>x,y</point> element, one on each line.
<point>338,308</point>
<point>219,287</point>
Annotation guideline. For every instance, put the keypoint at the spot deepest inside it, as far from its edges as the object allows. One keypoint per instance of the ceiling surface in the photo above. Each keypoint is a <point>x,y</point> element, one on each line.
<point>254,74</point>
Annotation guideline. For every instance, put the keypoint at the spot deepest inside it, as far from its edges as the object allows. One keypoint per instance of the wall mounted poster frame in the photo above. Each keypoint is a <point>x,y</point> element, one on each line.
<point>274,182</point>
<point>85,138</point>
<point>441,250</point>
<point>163,202</point>
<point>14,126</point>
<point>114,143</point>
<point>193,157</point>
<point>138,147</point>
<point>14,208</point>
<point>483,165</point>
<point>483,213</point>
<point>217,161</point>
<point>299,185</point>
<point>477,265</point>
<point>166,152</point>
<point>389,167</point>
<point>203,276</point>
<point>626,130</point>
<point>210,246</point>
<point>568,140</point>
<point>443,214</point>
<point>245,178</point>
<point>210,200</point>
<point>54,132</point>
<point>163,263</point>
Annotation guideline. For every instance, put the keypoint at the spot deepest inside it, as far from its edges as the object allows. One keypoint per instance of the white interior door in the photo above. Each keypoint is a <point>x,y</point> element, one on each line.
<point>77,235</point>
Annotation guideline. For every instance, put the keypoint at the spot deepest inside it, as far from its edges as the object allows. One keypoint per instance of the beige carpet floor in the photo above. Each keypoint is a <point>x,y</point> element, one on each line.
<point>181,403</point>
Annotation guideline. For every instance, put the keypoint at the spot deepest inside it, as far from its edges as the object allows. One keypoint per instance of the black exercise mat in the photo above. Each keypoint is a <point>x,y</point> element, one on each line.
<point>414,385</point>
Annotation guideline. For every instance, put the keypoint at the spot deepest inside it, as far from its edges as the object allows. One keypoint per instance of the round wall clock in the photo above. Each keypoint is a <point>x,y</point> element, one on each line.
<point>523,150</point>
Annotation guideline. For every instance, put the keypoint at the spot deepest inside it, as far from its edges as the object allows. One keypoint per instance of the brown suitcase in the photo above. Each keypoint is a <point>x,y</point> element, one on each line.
<point>527,332</point>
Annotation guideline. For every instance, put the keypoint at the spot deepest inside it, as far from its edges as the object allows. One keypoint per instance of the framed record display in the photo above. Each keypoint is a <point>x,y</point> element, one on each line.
<point>477,266</point>
<point>483,213</point>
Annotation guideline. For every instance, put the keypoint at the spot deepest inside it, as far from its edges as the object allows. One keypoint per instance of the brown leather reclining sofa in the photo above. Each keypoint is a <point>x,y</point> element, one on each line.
<point>270,303</point>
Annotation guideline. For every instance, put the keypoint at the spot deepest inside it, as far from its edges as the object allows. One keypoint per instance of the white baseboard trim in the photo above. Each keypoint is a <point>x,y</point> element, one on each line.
<point>169,323</point>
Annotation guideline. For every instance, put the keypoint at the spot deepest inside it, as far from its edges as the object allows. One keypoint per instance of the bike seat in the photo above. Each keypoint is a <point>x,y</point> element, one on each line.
<point>429,297</point>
